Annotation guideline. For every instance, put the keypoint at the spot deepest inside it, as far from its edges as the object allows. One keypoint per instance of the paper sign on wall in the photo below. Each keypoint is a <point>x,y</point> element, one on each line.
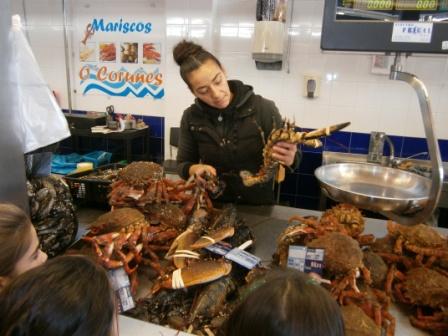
<point>118,58</point>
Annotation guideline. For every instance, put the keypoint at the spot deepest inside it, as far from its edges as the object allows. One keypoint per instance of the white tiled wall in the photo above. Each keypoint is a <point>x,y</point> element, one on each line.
<point>349,91</point>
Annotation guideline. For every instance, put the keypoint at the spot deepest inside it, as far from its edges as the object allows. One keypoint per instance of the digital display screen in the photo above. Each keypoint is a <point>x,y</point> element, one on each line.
<point>399,5</point>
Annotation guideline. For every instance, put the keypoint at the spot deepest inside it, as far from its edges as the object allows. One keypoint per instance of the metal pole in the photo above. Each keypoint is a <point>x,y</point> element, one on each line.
<point>433,145</point>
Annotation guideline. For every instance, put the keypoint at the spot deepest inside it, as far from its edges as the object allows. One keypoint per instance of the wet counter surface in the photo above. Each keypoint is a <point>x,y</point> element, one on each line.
<point>267,222</point>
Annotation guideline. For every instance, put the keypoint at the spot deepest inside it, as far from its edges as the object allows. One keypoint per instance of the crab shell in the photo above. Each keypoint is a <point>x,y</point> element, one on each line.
<point>140,173</point>
<point>357,323</point>
<point>421,235</point>
<point>342,253</point>
<point>427,287</point>
<point>347,215</point>
<point>117,219</point>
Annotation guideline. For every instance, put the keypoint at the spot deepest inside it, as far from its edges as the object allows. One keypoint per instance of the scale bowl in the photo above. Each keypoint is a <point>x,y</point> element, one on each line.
<point>374,187</point>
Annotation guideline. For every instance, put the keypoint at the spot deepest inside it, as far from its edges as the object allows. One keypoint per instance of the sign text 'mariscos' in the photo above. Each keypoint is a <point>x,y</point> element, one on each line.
<point>120,26</point>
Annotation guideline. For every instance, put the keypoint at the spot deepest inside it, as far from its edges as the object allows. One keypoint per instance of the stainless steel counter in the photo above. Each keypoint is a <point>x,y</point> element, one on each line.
<point>267,222</point>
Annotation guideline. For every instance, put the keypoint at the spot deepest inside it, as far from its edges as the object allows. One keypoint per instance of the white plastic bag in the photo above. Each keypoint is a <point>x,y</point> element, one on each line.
<point>41,118</point>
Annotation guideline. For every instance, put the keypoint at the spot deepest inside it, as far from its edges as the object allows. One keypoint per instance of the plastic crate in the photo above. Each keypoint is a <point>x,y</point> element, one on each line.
<point>86,189</point>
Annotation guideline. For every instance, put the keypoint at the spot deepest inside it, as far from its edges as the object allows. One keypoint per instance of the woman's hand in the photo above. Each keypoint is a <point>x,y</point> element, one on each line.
<point>199,170</point>
<point>284,153</point>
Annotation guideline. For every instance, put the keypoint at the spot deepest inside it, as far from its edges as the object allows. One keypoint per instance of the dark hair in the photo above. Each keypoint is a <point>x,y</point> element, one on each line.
<point>190,56</point>
<point>68,295</point>
<point>288,303</point>
<point>15,237</point>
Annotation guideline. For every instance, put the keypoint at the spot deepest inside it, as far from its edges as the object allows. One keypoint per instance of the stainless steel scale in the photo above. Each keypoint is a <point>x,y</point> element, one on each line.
<point>405,197</point>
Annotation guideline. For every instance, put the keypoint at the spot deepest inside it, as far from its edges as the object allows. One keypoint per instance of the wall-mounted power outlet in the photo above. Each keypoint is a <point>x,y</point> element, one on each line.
<point>311,86</point>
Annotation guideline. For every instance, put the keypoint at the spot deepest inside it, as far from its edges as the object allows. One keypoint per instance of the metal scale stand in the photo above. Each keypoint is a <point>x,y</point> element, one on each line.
<point>433,145</point>
<point>404,197</point>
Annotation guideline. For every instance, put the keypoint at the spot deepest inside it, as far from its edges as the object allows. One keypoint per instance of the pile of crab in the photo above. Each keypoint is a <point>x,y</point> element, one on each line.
<point>198,289</point>
<point>158,231</point>
<point>417,276</point>
<point>364,274</point>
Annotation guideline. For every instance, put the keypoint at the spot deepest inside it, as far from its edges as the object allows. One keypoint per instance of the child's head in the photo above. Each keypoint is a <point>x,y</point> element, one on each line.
<point>288,303</point>
<point>19,245</point>
<point>68,295</point>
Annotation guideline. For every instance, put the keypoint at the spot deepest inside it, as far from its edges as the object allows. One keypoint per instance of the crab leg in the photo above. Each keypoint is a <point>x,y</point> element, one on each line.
<point>326,131</point>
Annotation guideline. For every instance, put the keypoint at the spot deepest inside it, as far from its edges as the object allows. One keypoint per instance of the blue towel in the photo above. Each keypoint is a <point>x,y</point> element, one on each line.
<point>64,164</point>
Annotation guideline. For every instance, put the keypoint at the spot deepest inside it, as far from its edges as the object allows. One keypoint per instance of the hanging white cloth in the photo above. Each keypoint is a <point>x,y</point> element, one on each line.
<point>41,119</point>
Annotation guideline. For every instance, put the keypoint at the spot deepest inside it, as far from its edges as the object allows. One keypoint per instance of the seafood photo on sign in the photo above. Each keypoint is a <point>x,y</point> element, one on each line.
<point>108,52</point>
<point>129,52</point>
<point>87,52</point>
<point>151,53</point>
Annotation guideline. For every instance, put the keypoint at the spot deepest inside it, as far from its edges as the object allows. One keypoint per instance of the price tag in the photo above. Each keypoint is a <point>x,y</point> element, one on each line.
<point>308,260</point>
<point>412,32</point>
<point>241,257</point>
<point>219,249</point>
<point>122,286</point>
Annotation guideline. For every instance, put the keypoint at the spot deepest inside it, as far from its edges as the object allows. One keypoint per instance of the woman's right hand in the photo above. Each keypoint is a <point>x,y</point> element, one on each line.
<point>199,170</point>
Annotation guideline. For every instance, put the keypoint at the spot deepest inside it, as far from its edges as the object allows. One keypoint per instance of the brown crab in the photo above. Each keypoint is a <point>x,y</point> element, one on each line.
<point>286,134</point>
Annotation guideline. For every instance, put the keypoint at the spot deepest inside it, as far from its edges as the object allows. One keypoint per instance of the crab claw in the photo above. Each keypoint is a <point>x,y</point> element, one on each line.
<point>213,237</point>
<point>195,274</point>
<point>181,243</point>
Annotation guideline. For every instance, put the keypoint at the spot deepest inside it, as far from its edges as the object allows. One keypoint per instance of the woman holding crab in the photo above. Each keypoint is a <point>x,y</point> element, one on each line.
<point>225,130</point>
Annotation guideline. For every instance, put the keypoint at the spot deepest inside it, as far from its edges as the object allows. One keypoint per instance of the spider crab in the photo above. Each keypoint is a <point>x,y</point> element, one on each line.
<point>347,215</point>
<point>311,227</point>
<point>374,303</point>
<point>420,239</point>
<point>287,134</point>
<point>123,238</point>
<point>343,260</point>
<point>425,288</point>
<point>141,183</point>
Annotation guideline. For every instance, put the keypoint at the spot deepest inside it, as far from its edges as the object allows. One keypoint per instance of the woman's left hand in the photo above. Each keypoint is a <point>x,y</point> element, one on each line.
<point>284,153</point>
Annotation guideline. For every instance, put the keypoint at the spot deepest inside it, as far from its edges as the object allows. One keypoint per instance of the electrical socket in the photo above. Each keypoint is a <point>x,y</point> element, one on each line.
<point>311,86</point>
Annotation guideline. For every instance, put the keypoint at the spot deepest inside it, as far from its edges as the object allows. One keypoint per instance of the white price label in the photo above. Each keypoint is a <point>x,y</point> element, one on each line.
<point>237,255</point>
<point>304,259</point>
<point>412,32</point>
<point>243,258</point>
<point>120,283</point>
